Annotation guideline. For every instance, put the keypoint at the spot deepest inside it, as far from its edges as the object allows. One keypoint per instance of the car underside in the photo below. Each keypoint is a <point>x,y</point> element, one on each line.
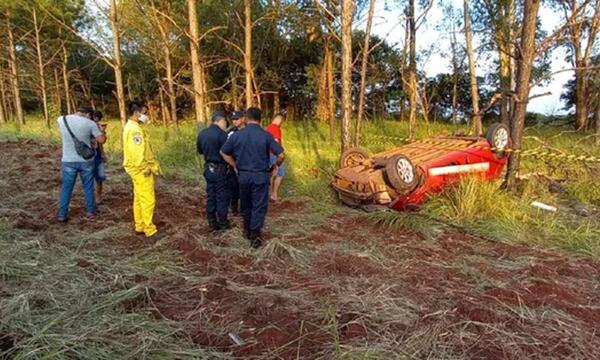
<point>404,177</point>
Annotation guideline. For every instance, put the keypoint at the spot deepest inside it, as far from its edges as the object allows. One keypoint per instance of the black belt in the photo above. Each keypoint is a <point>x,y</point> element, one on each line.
<point>222,168</point>
<point>255,171</point>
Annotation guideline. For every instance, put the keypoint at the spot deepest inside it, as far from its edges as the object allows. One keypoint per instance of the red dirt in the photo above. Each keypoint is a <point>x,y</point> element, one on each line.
<point>473,298</point>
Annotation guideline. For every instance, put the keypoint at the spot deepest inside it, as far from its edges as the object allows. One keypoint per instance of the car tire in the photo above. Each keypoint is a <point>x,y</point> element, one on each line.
<point>498,136</point>
<point>401,174</point>
<point>353,157</point>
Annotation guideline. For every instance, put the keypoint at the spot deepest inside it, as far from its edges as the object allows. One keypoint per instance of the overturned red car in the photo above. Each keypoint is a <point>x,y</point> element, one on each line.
<point>403,177</point>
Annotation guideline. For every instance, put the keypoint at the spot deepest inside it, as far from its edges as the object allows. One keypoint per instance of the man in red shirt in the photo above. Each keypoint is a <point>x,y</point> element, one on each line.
<point>279,171</point>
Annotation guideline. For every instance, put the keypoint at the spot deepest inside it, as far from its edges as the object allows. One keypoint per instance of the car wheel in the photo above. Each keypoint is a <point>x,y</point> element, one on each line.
<point>498,136</point>
<point>353,156</point>
<point>401,174</point>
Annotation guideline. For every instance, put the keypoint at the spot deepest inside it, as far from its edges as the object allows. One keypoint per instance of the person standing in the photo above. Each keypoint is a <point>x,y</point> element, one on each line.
<point>239,122</point>
<point>141,165</point>
<point>100,158</point>
<point>248,151</point>
<point>277,177</point>
<point>76,131</point>
<point>217,172</point>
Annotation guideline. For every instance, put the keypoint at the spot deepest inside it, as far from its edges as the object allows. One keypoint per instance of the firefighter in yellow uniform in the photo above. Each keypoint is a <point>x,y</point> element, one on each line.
<point>141,166</point>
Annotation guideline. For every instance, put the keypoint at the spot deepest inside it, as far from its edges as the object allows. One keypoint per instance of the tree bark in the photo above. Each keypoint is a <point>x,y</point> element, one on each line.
<point>163,112</point>
<point>347,14</point>
<point>65,75</point>
<point>476,121</point>
<point>597,117</point>
<point>330,92</point>
<point>166,46</point>
<point>14,72</point>
<point>455,70</point>
<point>412,71</point>
<point>3,109</point>
<point>197,71</point>
<point>40,64</point>
<point>118,63</point>
<point>524,66</point>
<point>58,96</point>
<point>322,98</point>
<point>248,52</point>
<point>363,72</point>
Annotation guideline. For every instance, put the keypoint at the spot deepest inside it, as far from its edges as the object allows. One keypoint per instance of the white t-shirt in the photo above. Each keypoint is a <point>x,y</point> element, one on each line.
<point>83,129</point>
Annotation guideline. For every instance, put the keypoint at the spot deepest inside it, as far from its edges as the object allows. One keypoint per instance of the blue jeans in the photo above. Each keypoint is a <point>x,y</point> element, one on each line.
<point>69,170</point>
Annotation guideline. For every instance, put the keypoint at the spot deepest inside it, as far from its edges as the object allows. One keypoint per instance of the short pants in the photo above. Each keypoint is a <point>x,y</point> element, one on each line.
<point>280,169</point>
<point>99,172</point>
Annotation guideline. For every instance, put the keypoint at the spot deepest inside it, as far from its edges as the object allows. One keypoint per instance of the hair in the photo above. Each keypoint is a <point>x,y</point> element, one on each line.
<point>136,106</point>
<point>253,114</point>
<point>97,116</point>
<point>279,115</point>
<point>86,109</point>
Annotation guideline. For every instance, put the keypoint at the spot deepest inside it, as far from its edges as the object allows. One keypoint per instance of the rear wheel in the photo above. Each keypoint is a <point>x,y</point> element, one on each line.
<point>498,136</point>
<point>401,174</point>
<point>353,157</point>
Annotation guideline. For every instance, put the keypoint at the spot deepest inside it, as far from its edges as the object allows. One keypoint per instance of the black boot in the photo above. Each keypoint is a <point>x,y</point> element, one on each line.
<point>224,225</point>
<point>213,225</point>
<point>255,239</point>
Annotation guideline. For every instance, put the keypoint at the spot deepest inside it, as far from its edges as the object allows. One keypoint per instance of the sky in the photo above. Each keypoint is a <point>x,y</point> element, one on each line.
<point>386,24</point>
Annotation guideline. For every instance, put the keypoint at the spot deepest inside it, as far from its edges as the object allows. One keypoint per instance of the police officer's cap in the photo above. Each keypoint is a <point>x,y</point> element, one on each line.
<point>237,115</point>
<point>217,115</point>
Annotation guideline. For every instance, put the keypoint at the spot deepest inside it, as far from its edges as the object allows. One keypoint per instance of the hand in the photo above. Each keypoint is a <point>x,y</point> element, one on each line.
<point>147,172</point>
<point>274,170</point>
<point>104,158</point>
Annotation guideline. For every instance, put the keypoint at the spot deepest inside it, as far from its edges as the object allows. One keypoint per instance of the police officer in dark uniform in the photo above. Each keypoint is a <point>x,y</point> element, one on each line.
<point>248,151</point>
<point>216,172</point>
<point>239,122</point>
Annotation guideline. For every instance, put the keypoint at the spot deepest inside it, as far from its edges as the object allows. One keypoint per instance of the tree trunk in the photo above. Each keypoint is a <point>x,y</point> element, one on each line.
<point>363,73</point>
<point>412,70</point>
<point>597,117</point>
<point>41,74</point>
<point>347,14</point>
<point>330,92</point>
<point>453,44</point>
<point>403,83</point>
<point>248,51</point>
<point>65,75</point>
<point>504,37</point>
<point>3,109</point>
<point>118,64</point>
<point>524,66</point>
<point>322,98</point>
<point>164,33</point>
<point>476,121</point>
<point>197,71</point>
<point>57,96</point>
<point>163,111</point>
<point>276,103</point>
<point>14,72</point>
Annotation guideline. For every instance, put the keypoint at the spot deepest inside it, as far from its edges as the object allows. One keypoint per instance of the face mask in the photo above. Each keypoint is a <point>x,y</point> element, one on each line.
<point>143,118</point>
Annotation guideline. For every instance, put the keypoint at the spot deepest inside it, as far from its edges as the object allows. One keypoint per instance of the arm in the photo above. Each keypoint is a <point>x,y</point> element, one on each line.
<point>97,133</point>
<point>228,159</point>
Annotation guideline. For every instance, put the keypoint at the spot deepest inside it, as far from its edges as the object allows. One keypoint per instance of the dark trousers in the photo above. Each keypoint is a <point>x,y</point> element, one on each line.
<point>254,198</point>
<point>218,194</point>
<point>235,191</point>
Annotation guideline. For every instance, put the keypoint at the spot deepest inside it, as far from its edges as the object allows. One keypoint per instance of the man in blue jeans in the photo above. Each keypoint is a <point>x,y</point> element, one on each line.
<point>83,128</point>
